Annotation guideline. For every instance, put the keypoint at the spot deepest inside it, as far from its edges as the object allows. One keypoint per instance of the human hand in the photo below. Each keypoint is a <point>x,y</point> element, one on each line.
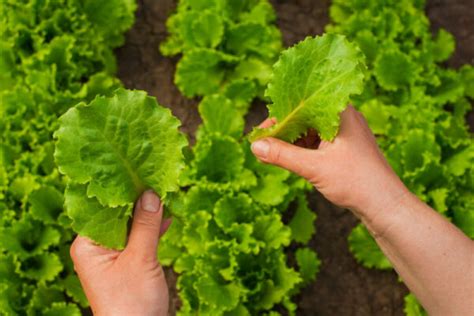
<point>128,282</point>
<point>350,171</point>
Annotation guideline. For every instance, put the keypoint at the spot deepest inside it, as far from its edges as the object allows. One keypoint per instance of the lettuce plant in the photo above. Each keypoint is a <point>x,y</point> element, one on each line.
<point>228,237</point>
<point>53,54</point>
<point>227,47</point>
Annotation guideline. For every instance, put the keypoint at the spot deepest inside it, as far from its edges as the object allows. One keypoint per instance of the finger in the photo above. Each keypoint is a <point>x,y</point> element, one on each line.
<point>165,225</point>
<point>268,122</point>
<point>349,122</point>
<point>146,226</point>
<point>291,157</point>
<point>83,250</point>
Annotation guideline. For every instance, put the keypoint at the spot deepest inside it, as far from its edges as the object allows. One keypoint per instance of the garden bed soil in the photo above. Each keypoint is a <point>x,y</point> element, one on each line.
<point>343,287</point>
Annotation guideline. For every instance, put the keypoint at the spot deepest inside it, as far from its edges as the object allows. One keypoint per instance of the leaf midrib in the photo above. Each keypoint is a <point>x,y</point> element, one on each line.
<point>279,127</point>
<point>137,183</point>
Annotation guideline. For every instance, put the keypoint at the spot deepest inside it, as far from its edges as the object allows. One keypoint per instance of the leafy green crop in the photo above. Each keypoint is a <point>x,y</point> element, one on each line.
<point>112,150</point>
<point>227,47</point>
<point>311,85</point>
<point>228,237</point>
<point>53,54</point>
<point>416,108</point>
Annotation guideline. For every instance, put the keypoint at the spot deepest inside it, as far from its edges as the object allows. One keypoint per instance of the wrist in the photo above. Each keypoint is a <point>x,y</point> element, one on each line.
<point>379,211</point>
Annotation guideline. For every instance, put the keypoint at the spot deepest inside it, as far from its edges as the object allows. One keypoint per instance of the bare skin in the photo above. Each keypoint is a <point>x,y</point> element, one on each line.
<point>128,282</point>
<point>432,256</point>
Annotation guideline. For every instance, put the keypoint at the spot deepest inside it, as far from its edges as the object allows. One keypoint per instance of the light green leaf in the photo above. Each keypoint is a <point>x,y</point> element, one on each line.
<point>220,116</point>
<point>202,71</point>
<point>438,197</point>
<point>302,223</point>
<point>208,29</point>
<point>111,17</point>
<point>105,225</point>
<point>271,230</point>
<point>311,85</point>
<point>62,309</point>
<point>413,307</point>
<point>73,288</point>
<point>120,146</point>
<point>223,297</point>
<point>308,264</point>
<point>271,189</point>
<point>46,204</point>
<point>365,249</point>
<point>460,161</point>
<point>234,209</point>
<point>464,218</point>
<point>393,70</point>
<point>218,159</point>
<point>43,297</point>
<point>41,268</point>
<point>241,92</point>
<point>443,46</point>
<point>27,237</point>
<point>273,290</point>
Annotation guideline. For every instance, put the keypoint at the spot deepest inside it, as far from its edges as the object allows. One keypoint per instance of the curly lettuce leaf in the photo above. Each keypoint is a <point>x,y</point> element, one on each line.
<point>73,288</point>
<point>112,18</point>
<point>394,69</point>
<point>413,307</point>
<point>43,297</point>
<point>365,249</point>
<point>302,223</point>
<point>120,146</point>
<point>26,238</point>
<point>62,309</point>
<point>311,84</point>
<point>202,71</point>
<point>46,204</point>
<point>271,189</point>
<point>219,115</point>
<point>41,268</point>
<point>308,264</point>
<point>218,159</point>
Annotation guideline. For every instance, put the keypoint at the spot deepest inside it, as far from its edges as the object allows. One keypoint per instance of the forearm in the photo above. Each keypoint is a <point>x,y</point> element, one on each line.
<point>432,256</point>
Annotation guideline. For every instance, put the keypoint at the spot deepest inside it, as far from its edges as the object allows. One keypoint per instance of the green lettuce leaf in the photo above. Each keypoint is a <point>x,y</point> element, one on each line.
<point>219,115</point>
<point>311,84</point>
<point>40,268</point>
<point>308,264</point>
<point>365,250</point>
<point>120,146</point>
<point>413,307</point>
<point>302,223</point>
<point>62,309</point>
<point>46,204</point>
<point>107,226</point>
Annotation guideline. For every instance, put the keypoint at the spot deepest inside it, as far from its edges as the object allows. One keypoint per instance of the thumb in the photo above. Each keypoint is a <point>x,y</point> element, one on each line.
<point>146,226</point>
<point>288,156</point>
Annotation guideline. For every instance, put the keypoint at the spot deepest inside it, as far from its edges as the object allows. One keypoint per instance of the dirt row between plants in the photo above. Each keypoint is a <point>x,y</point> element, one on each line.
<point>343,287</point>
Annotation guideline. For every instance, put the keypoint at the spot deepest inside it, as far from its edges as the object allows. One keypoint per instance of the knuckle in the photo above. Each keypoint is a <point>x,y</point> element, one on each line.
<point>275,152</point>
<point>77,250</point>
<point>146,221</point>
<point>138,257</point>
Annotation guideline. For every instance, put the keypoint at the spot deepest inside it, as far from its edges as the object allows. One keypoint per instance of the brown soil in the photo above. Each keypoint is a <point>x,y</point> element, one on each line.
<point>343,287</point>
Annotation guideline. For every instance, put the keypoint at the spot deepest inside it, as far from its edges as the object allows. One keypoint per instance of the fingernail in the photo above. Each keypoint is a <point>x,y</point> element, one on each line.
<point>150,202</point>
<point>261,148</point>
